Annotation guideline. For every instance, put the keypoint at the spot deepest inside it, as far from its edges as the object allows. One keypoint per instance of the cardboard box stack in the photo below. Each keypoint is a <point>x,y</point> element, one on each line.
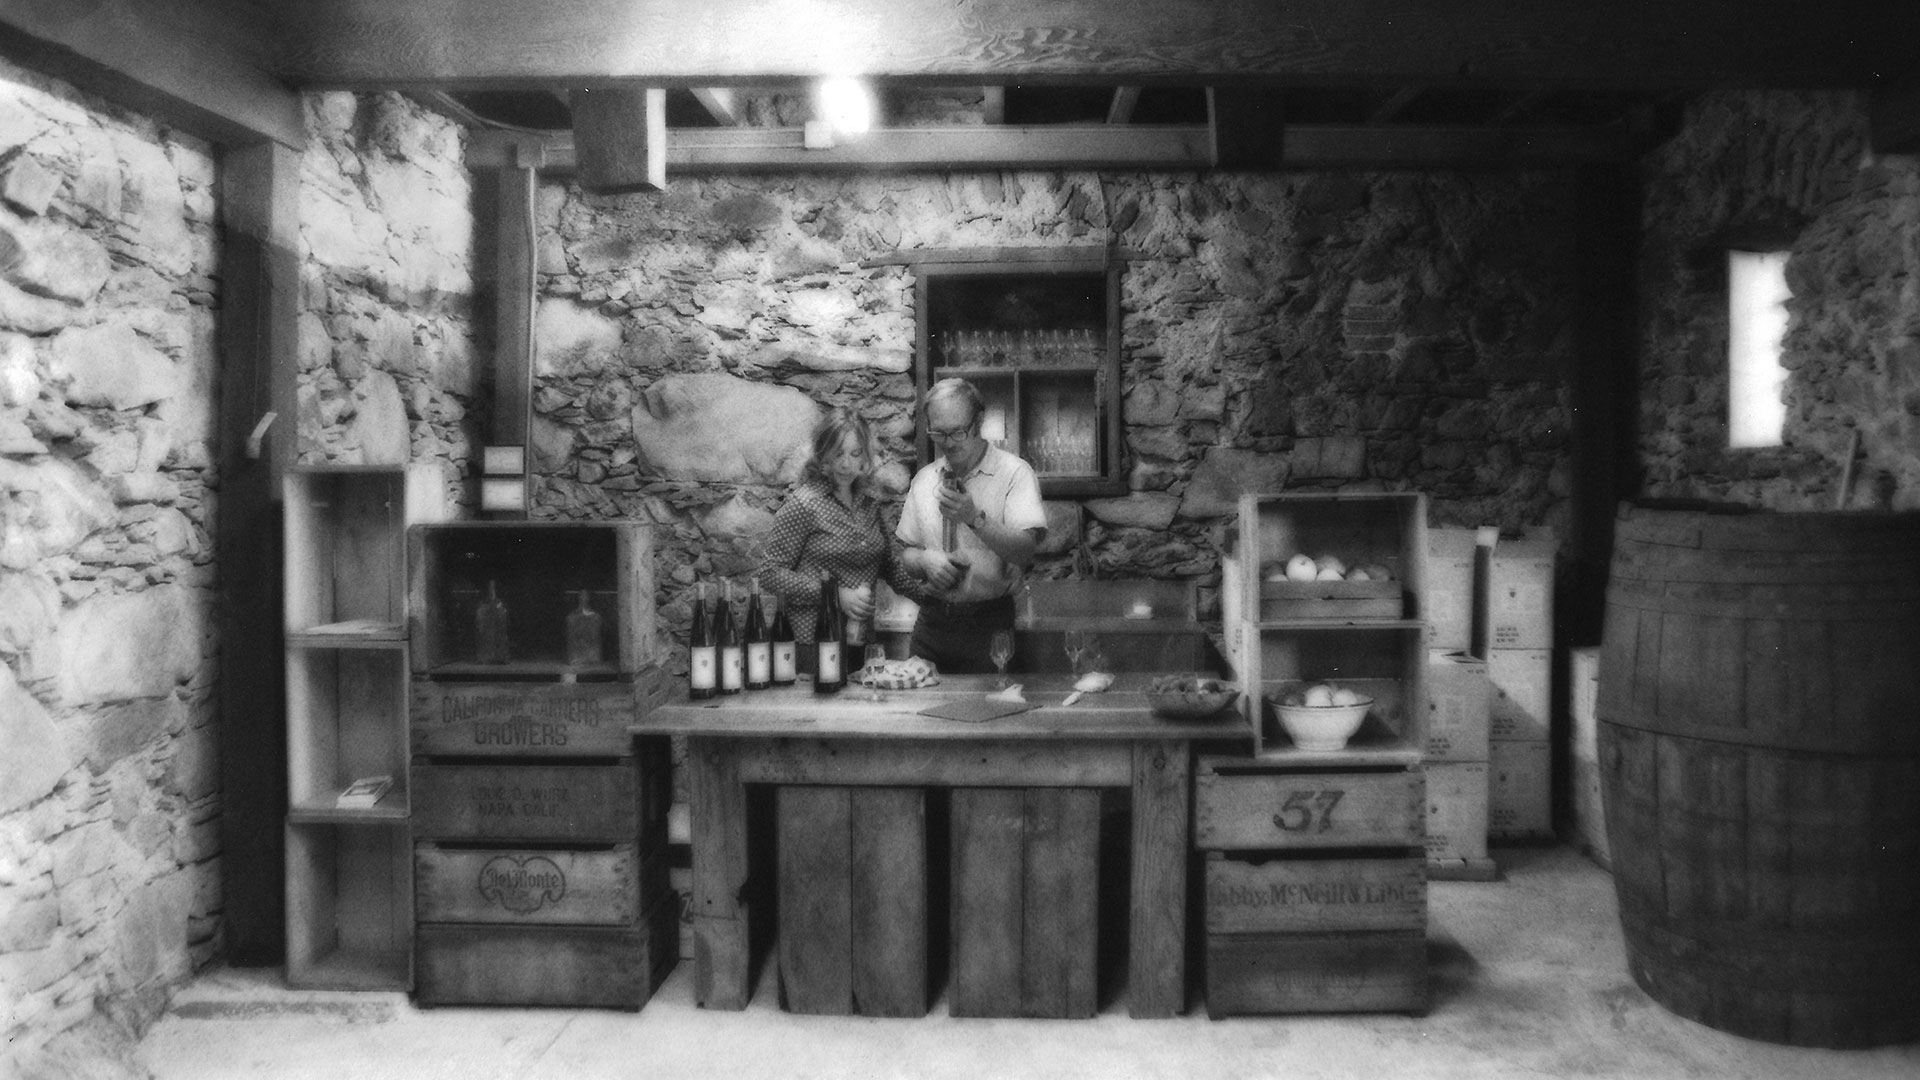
<point>1589,820</point>
<point>1458,700</point>
<point>1517,637</point>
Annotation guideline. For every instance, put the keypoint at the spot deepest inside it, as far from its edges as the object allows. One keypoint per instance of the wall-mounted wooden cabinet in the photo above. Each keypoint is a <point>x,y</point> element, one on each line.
<point>1038,332</point>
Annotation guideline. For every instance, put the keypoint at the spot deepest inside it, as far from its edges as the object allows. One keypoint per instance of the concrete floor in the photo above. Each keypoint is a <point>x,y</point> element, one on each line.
<point>1529,980</point>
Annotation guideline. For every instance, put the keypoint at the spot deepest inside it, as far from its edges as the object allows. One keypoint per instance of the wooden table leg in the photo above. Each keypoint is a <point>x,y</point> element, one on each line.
<point>717,803</point>
<point>1157,919</point>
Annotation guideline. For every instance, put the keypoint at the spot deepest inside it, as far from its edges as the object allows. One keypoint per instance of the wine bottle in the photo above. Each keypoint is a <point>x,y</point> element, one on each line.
<point>703,660</point>
<point>732,654</point>
<point>759,648</point>
<point>828,675</point>
<point>490,628</point>
<point>782,645</point>
<point>583,633</point>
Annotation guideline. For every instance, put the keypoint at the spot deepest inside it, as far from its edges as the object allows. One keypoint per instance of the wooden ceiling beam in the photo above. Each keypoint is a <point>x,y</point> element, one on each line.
<point>1629,44</point>
<point>1097,146</point>
<point>1125,99</point>
<point>198,64</point>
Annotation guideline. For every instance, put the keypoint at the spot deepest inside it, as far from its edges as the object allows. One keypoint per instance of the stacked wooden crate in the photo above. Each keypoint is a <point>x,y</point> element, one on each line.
<point>539,826</point>
<point>1458,712</point>
<point>1315,860</point>
<point>1518,646</point>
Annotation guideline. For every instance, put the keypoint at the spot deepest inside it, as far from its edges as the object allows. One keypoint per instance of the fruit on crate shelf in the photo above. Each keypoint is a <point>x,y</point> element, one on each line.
<point>1302,568</point>
<point>1331,564</point>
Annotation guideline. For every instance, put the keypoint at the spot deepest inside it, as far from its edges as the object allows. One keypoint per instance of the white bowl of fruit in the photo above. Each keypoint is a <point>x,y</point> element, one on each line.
<point>1322,716</point>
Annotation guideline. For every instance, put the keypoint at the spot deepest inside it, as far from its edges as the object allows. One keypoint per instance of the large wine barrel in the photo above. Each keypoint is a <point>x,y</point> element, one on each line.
<point>1759,711</point>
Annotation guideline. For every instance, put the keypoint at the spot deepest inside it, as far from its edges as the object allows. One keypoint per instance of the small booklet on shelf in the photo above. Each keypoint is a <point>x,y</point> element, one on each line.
<point>364,793</point>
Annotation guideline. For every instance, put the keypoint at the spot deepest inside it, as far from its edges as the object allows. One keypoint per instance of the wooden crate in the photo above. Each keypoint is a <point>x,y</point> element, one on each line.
<point>1295,894</point>
<point>1025,911</point>
<point>1241,805</point>
<point>538,569</point>
<point>1385,660</point>
<point>1334,972</point>
<point>853,900</point>
<point>563,802</point>
<point>522,719</point>
<point>576,966</point>
<point>1331,600</point>
<point>345,720</point>
<point>1388,528</point>
<point>602,886</point>
<point>348,927</point>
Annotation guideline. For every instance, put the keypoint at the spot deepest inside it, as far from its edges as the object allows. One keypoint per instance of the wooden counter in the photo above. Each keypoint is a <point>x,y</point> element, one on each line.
<point>863,738</point>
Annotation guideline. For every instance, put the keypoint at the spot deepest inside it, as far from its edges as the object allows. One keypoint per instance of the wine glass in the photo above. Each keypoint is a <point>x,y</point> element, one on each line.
<point>1000,649</point>
<point>1076,646</point>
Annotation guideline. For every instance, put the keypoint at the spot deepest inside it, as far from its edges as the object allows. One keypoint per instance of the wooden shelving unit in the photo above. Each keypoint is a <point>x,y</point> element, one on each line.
<point>349,880</point>
<point>1343,829</point>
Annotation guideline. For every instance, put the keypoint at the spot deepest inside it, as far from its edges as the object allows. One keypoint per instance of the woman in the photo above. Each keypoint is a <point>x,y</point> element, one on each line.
<point>832,522</point>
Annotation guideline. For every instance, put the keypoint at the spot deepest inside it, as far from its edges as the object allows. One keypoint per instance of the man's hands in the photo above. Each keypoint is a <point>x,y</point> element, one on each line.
<point>940,569</point>
<point>957,506</point>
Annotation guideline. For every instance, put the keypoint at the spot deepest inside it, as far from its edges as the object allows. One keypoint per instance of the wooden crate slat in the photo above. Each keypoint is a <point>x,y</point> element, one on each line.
<point>888,879</point>
<point>816,919</point>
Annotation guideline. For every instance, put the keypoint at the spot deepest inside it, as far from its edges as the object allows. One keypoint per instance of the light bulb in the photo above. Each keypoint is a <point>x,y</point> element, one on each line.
<point>846,104</point>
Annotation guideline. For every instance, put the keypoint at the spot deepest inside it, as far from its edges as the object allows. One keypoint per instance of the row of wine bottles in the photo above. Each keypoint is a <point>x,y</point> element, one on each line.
<point>726,656</point>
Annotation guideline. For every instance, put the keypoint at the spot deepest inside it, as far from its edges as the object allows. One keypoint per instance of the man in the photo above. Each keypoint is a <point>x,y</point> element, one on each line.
<point>970,525</point>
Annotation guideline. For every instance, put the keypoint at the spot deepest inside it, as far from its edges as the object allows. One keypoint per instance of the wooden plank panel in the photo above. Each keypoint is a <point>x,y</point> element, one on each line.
<point>576,966</point>
<point>717,801</point>
<point>580,803</point>
<point>816,920</point>
<point>1244,810</point>
<point>849,761</point>
<point>1061,903</point>
<point>1157,889</point>
<point>537,886</point>
<point>1320,973</point>
<point>364,43</point>
<point>1296,895</point>
<point>889,901</point>
<point>504,719</point>
<point>988,887</point>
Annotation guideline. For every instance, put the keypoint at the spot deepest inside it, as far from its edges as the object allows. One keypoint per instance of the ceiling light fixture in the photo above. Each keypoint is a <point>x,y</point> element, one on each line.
<point>846,104</point>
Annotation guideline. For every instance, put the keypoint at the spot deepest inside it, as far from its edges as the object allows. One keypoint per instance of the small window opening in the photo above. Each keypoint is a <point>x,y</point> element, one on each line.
<point>1757,329</point>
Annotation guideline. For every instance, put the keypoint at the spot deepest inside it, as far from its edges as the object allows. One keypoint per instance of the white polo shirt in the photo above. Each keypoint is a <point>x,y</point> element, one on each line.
<point>1003,486</point>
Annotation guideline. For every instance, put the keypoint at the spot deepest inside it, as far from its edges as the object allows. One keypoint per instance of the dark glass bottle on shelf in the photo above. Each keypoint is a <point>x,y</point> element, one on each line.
<point>703,659</point>
<point>490,628</point>
<point>829,674</point>
<point>782,647</point>
<point>732,652</point>
<point>759,646</point>
<point>583,634</point>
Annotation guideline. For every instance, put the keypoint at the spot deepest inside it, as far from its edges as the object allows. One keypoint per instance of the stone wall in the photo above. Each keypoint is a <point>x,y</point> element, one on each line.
<point>388,367</point>
<point>1792,170</point>
<point>1329,331</point>
<point>109,868</point>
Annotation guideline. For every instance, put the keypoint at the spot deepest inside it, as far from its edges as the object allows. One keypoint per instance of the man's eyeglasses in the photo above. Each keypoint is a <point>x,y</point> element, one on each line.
<point>950,434</point>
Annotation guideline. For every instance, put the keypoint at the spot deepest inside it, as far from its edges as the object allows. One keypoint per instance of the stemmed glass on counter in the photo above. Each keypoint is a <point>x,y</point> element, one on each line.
<point>1000,650</point>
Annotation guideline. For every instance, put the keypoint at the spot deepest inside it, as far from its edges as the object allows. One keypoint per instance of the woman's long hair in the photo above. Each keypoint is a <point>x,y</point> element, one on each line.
<point>827,436</point>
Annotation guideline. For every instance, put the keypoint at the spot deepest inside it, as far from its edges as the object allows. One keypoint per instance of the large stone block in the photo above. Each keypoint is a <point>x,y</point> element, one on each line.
<point>1342,457</point>
<point>50,259</point>
<point>711,427</point>
<point>27,185</point>
<point>153,212</point>
<point>51,507</point>
<point>30,745</point>
<point>23,311</point>
<point>117,646</point>
<point>114,366</point>
<point>1141,510</point>
<point>379,425</point>
<point>573,339</point>
<point>102,736</point>
<point>1226,474</point>
<point>29,610</point>
<point>826,356</point>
